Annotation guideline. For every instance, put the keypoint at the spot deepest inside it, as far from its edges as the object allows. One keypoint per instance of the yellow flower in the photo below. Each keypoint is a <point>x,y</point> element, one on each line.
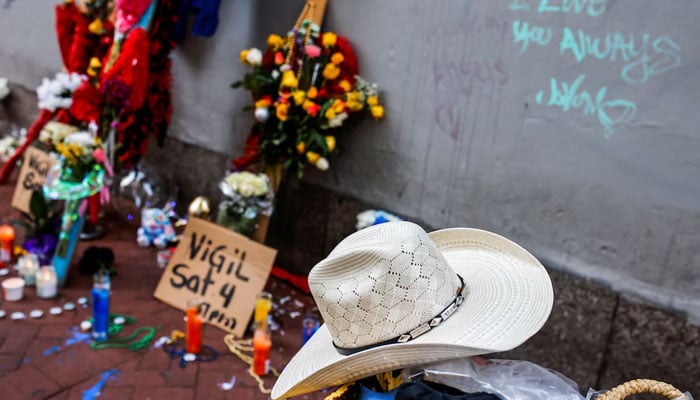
<point>354,105</point>
<point>299,96</point>
<point>330,142</point>
<point>312,93</point>
<point>289,80</point>
<point>244,55</point>
<point>377,112</point>
<point>94,67</point>
<point>331,71</point>
<point>96,27</point>
<point>345,85</point>
<point>312,157</point>
<point>330,114</point>
<point>282,111</point>
<point>337,58</point>
<point>338,106</point>
<point>373,101</point>
<point>329,39</point>
<point>275,41</point>
<point>301,147</point>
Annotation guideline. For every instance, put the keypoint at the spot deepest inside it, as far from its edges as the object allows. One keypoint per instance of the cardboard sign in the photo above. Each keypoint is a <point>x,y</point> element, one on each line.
<point>36,165</point>
<point>225,269</point>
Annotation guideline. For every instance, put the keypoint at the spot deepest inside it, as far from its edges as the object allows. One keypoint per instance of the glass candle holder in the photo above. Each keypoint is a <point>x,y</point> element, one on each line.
<point>28,267</point>
<point>7,239</point>
<point>100,305</point>
<point>46,282</point>
<point>193,328</point>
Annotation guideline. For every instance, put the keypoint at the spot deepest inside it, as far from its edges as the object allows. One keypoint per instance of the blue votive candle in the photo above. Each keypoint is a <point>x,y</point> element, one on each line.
<point>100,306</point>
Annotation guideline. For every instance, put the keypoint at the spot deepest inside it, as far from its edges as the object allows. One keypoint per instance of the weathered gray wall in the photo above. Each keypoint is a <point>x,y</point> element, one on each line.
<point>473,134</point>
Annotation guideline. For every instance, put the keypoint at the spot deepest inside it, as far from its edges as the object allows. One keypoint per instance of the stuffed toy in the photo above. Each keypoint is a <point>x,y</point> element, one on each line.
<point>156,229</point>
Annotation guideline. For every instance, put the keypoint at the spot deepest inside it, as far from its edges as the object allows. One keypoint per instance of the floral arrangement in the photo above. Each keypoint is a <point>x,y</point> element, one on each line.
<point>80,151</point>
<point>303,86</point>
<point>248,196</point>
<point>11,142</point>
<point>57,93</point>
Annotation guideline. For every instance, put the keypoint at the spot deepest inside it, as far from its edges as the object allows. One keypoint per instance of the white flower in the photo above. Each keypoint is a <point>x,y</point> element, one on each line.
<point>338,120</point>
<point>262,114</point>
<point>245,184</point>
<point>322,164</point>
<point>55,132</point>
<point>57,93</point>
<point>82,138</point>
<point>7,147</point>
<point>4,88</point>
<point>254,57</point>
<point>275,74</point>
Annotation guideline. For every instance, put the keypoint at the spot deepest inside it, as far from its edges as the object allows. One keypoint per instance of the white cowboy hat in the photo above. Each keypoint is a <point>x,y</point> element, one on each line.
<point>393,296</point>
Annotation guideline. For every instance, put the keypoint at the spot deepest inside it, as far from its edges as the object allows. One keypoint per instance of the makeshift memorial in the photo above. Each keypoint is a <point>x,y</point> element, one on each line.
<point>156,229</point>
<point>248,197</point>
<point>193,332</point>
<point>304,85</point>
<point>46,282</point>
<point>77,175</point>
<point>487,288</point>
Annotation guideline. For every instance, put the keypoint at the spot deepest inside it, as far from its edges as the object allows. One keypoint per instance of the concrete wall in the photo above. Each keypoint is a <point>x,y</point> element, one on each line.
<point>590,162</point>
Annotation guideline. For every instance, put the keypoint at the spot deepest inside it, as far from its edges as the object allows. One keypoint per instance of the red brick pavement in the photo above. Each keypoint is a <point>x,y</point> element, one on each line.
<point>37,362</point>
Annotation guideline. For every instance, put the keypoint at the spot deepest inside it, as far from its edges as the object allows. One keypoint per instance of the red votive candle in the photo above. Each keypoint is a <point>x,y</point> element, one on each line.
<point>7,239</point>
<point>261,352</point>
<point>193,331</point>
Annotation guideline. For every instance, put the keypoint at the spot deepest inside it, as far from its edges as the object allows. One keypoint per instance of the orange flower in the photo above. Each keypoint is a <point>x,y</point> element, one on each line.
<point>301,147</point>
<point>282,111</point>
<point>338,106</point>
<point>331,71</point>
<point>279,58</point>
<point>244,55</point>
<point>263,103</point>
<point>311,108</point>
<point>312,93</point>
<point>337,58</point>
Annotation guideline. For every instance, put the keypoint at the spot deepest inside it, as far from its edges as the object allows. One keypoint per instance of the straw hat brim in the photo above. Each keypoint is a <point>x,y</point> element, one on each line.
<point>508,298</point>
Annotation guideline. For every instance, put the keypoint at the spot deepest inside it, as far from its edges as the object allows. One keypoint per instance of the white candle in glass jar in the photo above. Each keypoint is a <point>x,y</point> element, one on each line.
<point>46,282</point>
<point>28,267</point>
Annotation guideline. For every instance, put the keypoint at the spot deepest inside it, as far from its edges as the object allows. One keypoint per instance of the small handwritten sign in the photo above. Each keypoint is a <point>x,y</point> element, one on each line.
<point>37,164</point>
<point>225,269</point>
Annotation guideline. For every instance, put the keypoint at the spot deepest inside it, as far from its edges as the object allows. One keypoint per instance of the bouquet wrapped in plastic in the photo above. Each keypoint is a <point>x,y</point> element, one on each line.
<point>247,197</point>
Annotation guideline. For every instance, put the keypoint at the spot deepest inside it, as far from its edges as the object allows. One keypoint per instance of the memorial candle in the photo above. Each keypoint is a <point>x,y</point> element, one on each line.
<point>46,282</point>
<point>193,331</point>
<point>261,352</point>
<point>100,305</point>
<point>7,238</point>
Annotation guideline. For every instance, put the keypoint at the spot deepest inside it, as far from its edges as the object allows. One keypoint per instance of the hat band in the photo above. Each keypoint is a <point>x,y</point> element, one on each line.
<point>415,332</point>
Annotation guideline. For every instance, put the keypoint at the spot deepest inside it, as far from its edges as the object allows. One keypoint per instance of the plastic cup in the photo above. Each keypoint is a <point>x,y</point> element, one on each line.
<point>13,288</point>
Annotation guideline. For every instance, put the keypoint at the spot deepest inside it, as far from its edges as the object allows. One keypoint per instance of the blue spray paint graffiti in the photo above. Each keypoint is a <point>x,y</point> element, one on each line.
<point>95,391</point>
<point>525,33</point>
<point>643,60</point>
<point>641,56</point>
<point>610,113</point>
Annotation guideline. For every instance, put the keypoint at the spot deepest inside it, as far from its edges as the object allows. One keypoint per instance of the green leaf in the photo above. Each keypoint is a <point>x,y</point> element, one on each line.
<point>236,85</point>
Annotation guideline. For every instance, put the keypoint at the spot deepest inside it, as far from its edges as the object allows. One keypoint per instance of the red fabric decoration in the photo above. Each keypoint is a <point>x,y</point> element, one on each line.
<point>87,103</point>
<point>131,67</point>
<point>251,152</point>
<point>65,26</point>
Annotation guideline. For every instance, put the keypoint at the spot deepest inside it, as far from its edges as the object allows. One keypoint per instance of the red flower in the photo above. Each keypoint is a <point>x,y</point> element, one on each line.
<point>87,103</point>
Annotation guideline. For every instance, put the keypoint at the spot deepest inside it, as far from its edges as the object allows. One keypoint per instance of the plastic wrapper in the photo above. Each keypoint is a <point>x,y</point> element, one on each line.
<point>247,198</point>
<point>140,188</point>
<point>511,380</point>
